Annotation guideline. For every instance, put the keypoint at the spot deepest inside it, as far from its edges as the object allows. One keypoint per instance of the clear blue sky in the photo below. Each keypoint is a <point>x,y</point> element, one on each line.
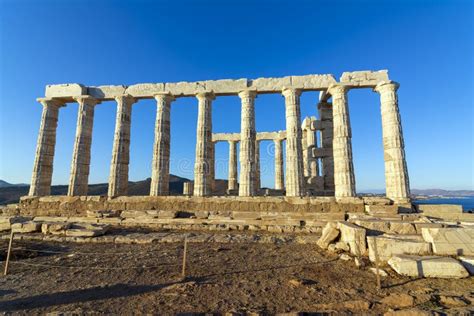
<point>427,46</point>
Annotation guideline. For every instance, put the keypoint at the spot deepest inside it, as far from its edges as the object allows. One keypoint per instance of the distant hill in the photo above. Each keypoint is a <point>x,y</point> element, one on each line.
<point>11,193</point>
<point>440,192</point>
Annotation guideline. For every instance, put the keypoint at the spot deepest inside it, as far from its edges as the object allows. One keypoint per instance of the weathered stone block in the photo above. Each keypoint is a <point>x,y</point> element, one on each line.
<point>428,267</point>
<point>468,263</point>
<point>390,245</point>
<point>365,78</point>
<point>65,90</point>
<point>450,241</point>
<point>329,234</point>
<point>54,227</point>
<point>106,92</point>
<point>403,228</point>
<point>26,227</point>
<point>354,236</point>
<point>444,211</point>
<point>145,89</point>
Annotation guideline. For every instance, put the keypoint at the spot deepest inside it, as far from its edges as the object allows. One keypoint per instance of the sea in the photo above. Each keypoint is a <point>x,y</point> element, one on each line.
<point>466,202</point>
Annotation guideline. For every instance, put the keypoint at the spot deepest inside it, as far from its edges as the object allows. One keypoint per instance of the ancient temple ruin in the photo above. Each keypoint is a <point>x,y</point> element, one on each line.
<point>312,169</point>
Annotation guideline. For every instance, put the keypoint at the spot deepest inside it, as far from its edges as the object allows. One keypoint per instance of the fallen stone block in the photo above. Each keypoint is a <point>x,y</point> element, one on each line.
<point>444,211</point>
<point>402,228</point>
<point>420,226</point>
<point>167,214</point>
<point>456,241</point>
<point>390,245</point>
<point>26,227</point>
<point>373,226</point>
<point>55,228</point>
<point>382,272</point>
<point>340,245</point>
<point>86,230</point>
<point>428,266</point>
<point>329,234</point>
<point>468,263</point>
<point>354,236</point>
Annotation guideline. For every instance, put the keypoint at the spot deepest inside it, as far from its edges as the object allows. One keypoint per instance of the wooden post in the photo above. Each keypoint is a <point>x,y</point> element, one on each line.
<point>376,253</point>
<point>183,271</point>
<point>5,272</point>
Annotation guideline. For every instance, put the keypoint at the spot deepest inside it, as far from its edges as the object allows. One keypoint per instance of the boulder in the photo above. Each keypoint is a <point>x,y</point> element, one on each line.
<point>455,241</point>
<point>468,263</point>
<point>428,266</point>
<point>354,236</point>
<point>26,227</point>
<point>329,234</point>
<point>390,245</point>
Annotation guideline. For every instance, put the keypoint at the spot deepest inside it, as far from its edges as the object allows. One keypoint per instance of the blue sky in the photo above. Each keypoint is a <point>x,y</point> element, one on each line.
<point>427,46</point>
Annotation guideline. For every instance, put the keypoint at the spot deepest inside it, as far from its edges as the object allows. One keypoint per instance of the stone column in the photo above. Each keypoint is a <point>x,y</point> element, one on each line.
<point>247,144</point>
<point>81,156</point>
<point>257,166</point>
<point>311,142</point>
<point>212,167</point>
<point>160,175</point>
<point>43,165</point>
<point>118,179</point>
<point>232,182</point>
<point>396,174</point>
<point>342,146</point>
<point>294,179</point>
<point>279,177</point>
<point>202,164</point>
<point>304,147</point>
<point>325,115</point>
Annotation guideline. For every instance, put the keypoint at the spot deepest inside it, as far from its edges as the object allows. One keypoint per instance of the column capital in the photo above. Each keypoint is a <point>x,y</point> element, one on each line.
<point>338,89</point>
<point>125,97</point>
<point>247,94</point>
<point>51,102</point>
<point>206,96</point>
<point>287,92</point>
<point>87,99</point>
<point>165,96</point>
<point>386,86</point>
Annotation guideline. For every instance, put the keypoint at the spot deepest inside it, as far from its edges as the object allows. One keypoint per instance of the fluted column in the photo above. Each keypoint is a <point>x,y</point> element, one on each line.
<point>232,183</point>
<point>311,142</point>
<point>257,166</point>
<point>294,179</point>
<point>118,179</point>
<point>202,164</point>
<point>81,156</point>
<point>212,167</point>
<point>45,146</point>
<point>279,177</point>
<point>396,175</point>
<point>247,144</point>
<point>327,162</point>
<point>160,174</point>
<point>342,145</point>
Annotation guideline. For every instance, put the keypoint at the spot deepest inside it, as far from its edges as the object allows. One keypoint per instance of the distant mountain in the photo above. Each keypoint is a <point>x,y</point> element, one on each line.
<point>5,184</point>
<point>440,192</point>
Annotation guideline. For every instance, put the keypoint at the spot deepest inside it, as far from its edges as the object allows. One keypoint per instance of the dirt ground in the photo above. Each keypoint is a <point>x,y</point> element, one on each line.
<point>221,278</point>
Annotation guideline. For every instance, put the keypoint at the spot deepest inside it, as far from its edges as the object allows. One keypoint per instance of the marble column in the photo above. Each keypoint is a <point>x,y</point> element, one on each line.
<point>247,144</point>
<point>232,182</point>
<point>279,176</point>
<point>118,179</point>
<point>257,166</point>
<point>212,167</point>
<point>81,156</point>
<point>160,174</point>
<point>311,142</point>
<point>342,145</point>
<point>43,165</point>
<point>327,163</point>
<point>202,164</point>
<point>294,179</point>
<point>396,175</point>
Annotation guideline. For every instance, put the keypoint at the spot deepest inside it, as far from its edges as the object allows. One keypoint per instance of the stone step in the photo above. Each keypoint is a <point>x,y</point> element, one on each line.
<point>428,266</point>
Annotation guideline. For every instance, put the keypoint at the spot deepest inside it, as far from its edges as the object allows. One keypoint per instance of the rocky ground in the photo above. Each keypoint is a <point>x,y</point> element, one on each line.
<point>264,278</point>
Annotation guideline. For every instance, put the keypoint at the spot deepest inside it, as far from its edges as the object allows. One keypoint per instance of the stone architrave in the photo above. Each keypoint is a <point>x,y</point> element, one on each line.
<point>294,179</point>
<point>279,176</point>
<point>396,174</point>
<point>43,165</point>
<point>160,175</point>
<point>203,160</point>
<point>232,183</point>
<point>247,144</point>
<point>257,166</point>
<point>81,156</point>
<point>118,179</point>
<point>327,162</point>
<point>342,145</point>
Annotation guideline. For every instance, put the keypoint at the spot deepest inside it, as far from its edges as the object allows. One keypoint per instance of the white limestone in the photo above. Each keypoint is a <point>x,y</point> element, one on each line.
<point>450,241</point>
<point>354,236</point>
<point>247,144</point>
<point>389,245</point>
<point>427,266</point>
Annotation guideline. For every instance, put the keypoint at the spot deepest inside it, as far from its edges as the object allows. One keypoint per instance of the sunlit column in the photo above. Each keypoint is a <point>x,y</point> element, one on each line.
<point>232,184</point>
<point>279,176</point>
<point>247,144</point>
